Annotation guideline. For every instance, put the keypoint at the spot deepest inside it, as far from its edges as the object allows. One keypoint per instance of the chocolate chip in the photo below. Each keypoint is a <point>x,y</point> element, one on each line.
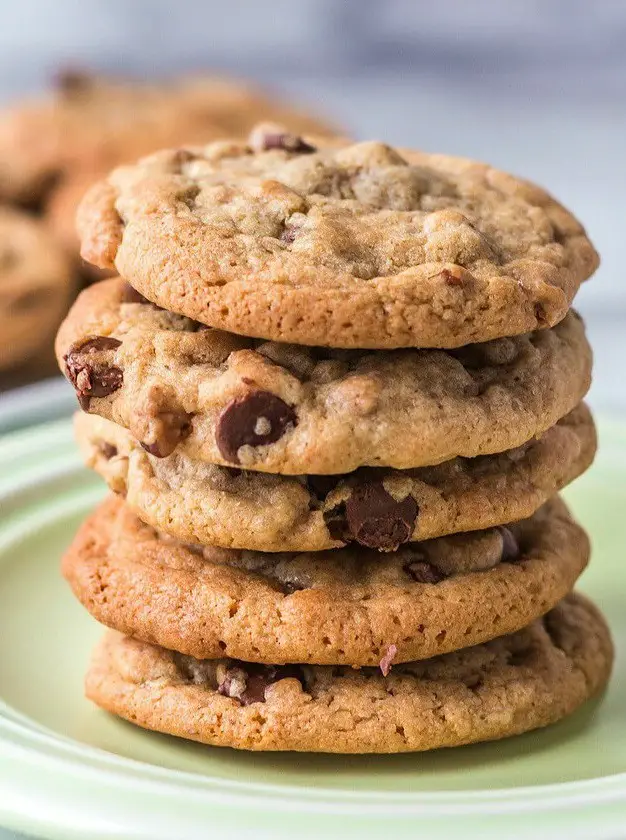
<point>107,449</point>
<point>87,368</point>
<point>510,546</point>
<point>321,485</point>
<point>387,660</point>
<point>130,295</point>
<point>540,314</point>
<point>423,572</point>
<point>264,138</point>
<point>248,682</point>
<point>256,419</point>
<point>154,449</point>
<point>375,519</point>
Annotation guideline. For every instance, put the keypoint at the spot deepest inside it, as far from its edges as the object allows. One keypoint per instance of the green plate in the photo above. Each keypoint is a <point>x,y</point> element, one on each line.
<point>68,770</point>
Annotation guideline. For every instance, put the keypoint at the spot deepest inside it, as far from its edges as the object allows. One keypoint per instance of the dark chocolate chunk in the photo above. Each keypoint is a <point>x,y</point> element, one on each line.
<point>88,368</point>
<point>423,572</point>
<point>256,419</point>
<point>375,519</point>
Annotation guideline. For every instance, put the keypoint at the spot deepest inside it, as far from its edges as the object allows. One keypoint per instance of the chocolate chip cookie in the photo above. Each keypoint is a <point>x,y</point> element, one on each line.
<point>36,283</point>
<point>341,245</point>
<point>378,508</point>
<point>345,606</point>
<point>505,687</point>
<point>278,408</point>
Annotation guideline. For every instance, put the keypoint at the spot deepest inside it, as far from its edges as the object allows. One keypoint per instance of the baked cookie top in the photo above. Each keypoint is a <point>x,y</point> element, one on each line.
<point>379,508</point>
<point>36,282</point>
<point>504,687</point>
<point>287,409</point>
<point>341,245</point>
<point>92,123</point>
<point>346,606</point>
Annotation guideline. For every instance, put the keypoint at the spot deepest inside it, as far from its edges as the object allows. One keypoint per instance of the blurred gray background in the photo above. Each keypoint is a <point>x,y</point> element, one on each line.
<point>537,87</point>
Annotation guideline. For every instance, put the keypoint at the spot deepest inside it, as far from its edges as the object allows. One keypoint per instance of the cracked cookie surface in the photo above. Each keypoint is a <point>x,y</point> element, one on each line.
<point>505,687</point>
<point>213,505</point>
<point>346,606</point>
<point>277,408</point>
<point>341,245</point>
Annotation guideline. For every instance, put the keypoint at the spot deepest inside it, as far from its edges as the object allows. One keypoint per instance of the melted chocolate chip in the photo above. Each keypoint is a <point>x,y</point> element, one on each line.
<point>375,519</point>
<point>248,682</point>
<point>510,546</point>
<point>256,419</point>
<point>87,368</point>
<point>423,572</point>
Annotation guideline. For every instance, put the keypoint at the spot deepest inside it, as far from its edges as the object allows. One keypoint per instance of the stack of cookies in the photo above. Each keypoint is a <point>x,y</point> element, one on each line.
<point>336,391</point>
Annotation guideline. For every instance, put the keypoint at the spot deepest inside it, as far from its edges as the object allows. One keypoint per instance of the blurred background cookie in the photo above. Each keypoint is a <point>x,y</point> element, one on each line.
<point>36,286</point>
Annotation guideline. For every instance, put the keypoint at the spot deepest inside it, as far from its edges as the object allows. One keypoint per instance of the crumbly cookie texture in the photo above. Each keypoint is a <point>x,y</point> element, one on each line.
<point>36,283</point>
<point>90,124</point>
<point>505,687</point>
<point>286,409</point>
<point>339,245</point>
<point>346,606</point>
<point>379,508</point>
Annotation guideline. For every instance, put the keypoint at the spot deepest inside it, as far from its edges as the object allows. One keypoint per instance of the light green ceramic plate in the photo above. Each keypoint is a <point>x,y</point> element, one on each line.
<point>68,770</point>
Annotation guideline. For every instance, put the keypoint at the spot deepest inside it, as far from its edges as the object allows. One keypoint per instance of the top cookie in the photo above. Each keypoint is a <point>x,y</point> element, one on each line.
<point>341,245</point>
<point>91,124</point>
